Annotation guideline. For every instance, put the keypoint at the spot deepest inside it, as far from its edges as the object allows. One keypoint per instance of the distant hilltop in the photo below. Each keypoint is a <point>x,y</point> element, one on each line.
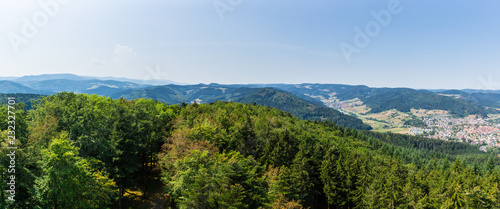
<point>356,106</point>
<point>68,76</point>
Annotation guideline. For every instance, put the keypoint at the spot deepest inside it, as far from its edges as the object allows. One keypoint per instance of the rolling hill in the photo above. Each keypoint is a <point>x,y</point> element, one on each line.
<point>383,99</point>
<point>100,87</point>
<point>13,87</point>
<point>174,94</point>
<point>486,98</point>
<point>66,76</point>
<point>300,108</point>
<point>20,98</point>
<point>306,101</point>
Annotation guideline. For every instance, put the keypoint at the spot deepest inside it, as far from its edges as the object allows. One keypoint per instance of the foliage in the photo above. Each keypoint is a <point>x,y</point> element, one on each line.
<point>27,99</point>
<point>222,180</point>
<point>85,150</point>
<point>318,165</point>
<point>301,108</point>
<point>286,101</point>
<point>402,99</point>
<point>68,181</point>
<point>415,122</point>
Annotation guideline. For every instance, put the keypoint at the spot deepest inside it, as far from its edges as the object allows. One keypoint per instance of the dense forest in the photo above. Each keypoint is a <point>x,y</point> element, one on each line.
<point>405,99</point>
<point>402,99</point>
<point>88,151</point>
<point>298,105</point>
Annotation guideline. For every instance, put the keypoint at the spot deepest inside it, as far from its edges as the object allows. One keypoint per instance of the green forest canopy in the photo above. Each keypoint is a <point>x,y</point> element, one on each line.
<point>231,155</point>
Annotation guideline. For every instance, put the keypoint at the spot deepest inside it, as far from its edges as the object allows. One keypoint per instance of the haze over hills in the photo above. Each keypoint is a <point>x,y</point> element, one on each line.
<point>13,87</point>
<point>44,77</point>
<point>451,115</point>
<point>101,87</point>
<point>47,87</point>
<point>67,76</point>
<point>487,98</point>
<point>27,99</point>
<point>174,94</point>
<point>383,99</point>
<point>342,104</point>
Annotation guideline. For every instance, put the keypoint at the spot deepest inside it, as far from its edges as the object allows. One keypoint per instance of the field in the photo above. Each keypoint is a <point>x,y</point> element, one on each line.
<point>394,130</point>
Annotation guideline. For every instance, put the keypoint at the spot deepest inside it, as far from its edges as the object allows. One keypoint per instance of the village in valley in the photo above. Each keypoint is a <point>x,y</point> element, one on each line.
<point>473,129</point>
<point>436,124</point>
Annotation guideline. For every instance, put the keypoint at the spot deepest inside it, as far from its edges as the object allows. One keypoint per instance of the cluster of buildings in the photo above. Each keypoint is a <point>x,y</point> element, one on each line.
<point>475,131</point>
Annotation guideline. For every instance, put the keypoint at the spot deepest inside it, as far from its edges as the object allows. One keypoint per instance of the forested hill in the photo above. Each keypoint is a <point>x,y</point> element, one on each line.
<point>229,155</point>
<point>457,102</point>
<point>301,108</point>
<point>405,99</point>
<point>27,99</point>
<point>402,99</point>
<point>7,87</point>
<point>487,99</point>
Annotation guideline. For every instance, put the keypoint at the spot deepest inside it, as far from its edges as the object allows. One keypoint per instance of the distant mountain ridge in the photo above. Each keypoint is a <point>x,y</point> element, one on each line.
<point>45,77</point>
<point>300,108</point>
<point>101,87</point>
<point>303,108</point>
<point>486,98</point>
<point>402,99</point>
<point>13,87</point>
<point>306,101</point>
<point>68,76</point>
<point>48,87</point>
<point>175,94</point>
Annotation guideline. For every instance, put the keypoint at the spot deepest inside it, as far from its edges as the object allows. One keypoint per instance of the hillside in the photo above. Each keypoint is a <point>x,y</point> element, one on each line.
<point>45,77</point>
<point>405,99</point>
<point>174,94</point>
<point>485,98</point>
<point>20,98</point>
<point>100,87</point>
<point>383,99</point>
<point>66,76</point>
<point>384,109</point>
<point>300,108</point>
<point>459,103</point>
<point>13,87</point>
<point>228,154</point>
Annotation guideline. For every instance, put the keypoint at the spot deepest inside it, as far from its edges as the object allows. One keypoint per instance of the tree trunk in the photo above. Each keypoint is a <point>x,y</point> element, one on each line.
<point>120,197</point>
<point>144,174</point>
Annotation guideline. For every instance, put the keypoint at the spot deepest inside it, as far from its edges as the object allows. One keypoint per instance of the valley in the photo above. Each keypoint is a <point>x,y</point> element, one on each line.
<point>430,123</point>
<point>147,139</point>
<point>469,116</point>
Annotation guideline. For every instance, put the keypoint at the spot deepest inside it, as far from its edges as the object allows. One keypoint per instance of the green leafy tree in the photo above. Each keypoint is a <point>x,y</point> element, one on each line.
<point>68,181</point>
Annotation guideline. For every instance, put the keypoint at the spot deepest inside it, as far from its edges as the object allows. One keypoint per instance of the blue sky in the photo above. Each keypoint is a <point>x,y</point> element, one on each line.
<point>424,44</point>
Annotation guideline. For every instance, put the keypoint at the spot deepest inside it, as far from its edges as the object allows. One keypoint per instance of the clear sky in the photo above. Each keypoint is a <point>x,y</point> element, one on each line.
<point>407,43</point>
